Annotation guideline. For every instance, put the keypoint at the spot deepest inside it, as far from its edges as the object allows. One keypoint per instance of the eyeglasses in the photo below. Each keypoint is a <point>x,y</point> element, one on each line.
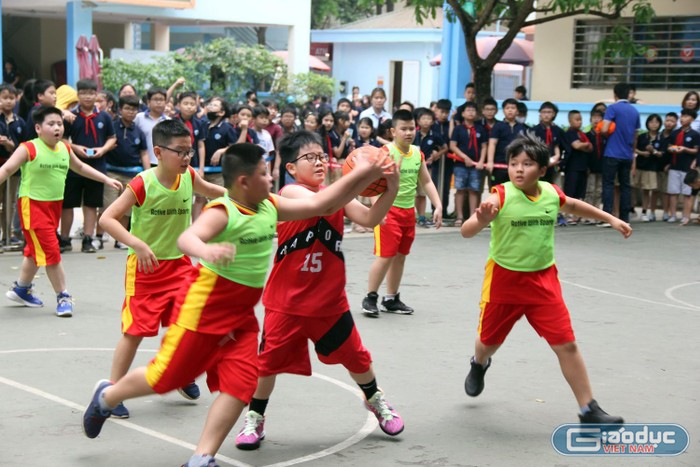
<point>312,157</point>
<point>181,153</point>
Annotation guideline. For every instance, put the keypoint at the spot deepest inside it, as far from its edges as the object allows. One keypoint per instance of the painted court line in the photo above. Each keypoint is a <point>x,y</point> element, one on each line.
<point>369,426</point>
<point>615,294</point>
<point>669,294</point>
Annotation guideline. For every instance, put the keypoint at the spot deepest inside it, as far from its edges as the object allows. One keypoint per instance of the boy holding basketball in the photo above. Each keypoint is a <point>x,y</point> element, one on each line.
<point>522,214</point>
<point>393,239</point>
<point>213,327</point>
<point>305,295</point>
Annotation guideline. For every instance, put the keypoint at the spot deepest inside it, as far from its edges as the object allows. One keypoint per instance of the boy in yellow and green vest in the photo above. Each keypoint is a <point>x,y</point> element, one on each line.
<point>521,277</point>
<point>213,327</point>
<point>394,237</point>
<point>44,161</point>
<point>160,201</point>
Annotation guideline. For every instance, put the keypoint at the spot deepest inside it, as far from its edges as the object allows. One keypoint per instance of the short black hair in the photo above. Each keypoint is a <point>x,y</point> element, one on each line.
<point>401,115</point>
<point>490,101</point>
<point>240,159</point>
<point>9,88</point>
<point>509,101</point>
<point>672,115</point>
<point>444,104</point>
<point>184,95</point>
<point>690,113</point>
<point>41,113</point>
<point>531,145</point>
<point>291,143</point>
<point>166,130</point>
<point>237,109</point>
<point>153,90</point>
<point>40,86</point>
<point>621,90</point>
<point>421,111</point>
<point>259,110</point>
<point>651,117</point>
<point>549,105</point>
<point>129,99</point>
<point>86,84</point>
<point>691,177</point>
<point>289,110</point>
<point>341,115</point>
<point>573,112</point>
<point>522,108</point>
<point>250,93</point>
<point>470,105</point>
<point>469,85</point>
<point>598,113</point>
<point>410,104</point>
<point>343,100</point>
<point>522,90</point>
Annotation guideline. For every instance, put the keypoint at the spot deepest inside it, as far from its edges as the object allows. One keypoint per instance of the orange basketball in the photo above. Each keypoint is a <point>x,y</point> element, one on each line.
<point>378,186</point>
<point>599,128</point>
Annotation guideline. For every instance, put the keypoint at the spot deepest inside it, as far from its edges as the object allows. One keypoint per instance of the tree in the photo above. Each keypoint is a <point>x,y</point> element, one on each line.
<point>475,15</point>
<point>326,12</point>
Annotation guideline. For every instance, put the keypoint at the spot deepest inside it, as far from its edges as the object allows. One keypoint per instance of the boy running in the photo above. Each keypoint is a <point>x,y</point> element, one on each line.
<point>213,327</point>
<point>44,162</point>
<point>159,200</point>
<point>305,295</point>
<point>522,214</point>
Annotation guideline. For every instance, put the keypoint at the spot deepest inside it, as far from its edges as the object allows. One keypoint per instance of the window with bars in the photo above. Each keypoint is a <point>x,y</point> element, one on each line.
<point>672,59</point>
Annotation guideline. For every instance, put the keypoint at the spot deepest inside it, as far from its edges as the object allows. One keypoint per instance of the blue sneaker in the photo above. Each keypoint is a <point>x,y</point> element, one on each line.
<point>94,417</point>
<point>201,461</point>
<point>190,392</point>
<point>24,295</point>
<point>120,411</point>
<point>64,308</point>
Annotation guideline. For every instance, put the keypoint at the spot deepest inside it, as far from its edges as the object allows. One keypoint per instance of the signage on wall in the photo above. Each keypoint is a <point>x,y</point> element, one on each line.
<point>687,52</point>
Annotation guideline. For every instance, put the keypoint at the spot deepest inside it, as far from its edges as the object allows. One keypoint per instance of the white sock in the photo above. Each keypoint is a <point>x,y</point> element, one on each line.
<point>103,403</point>
<point>199,460</point>
<point>389,296</point>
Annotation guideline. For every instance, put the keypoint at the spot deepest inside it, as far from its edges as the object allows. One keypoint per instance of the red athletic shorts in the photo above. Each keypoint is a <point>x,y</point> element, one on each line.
<point>230,361</point>
<point>39,220</point>
<point>508,295</point>
<point>150,298</point>
<point>397,233</point>
<point>284,346</point>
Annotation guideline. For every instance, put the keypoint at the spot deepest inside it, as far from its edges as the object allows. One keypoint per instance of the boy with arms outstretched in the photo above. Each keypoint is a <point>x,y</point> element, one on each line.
<point>213,327</point>
<point>521,278</point>
<point>305,295</point>
<point>159,200</point>
<point>393,239</point>
<point>44,162</point>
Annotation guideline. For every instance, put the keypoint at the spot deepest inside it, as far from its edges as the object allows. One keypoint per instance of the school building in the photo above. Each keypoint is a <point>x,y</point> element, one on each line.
<point>40,35</point>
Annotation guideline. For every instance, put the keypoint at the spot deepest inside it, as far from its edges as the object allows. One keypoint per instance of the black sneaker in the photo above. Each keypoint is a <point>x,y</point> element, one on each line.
<point>64,244</point>
<point>598,415</point>
<point>369,305</point>
<point>88,247</point>
<point>474,383</point>
<point>395,305</point>
<point>100,242</point>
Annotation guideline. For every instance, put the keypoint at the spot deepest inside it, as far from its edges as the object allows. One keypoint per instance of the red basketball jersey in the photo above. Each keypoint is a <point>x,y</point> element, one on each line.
<point>308,275</point>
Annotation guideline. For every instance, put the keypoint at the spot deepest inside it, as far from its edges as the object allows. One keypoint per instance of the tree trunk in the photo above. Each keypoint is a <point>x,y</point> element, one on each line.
<point>482,81</point>
<point>261,32</point>
<point>389,6</point>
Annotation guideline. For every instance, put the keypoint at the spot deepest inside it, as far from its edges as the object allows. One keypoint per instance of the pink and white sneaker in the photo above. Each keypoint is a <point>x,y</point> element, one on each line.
<point>389,419</point>
<point>252,433</point>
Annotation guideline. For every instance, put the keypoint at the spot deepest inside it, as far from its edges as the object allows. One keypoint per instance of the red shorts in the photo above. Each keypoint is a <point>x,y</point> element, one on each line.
<point>150,298</point>
<point>39,220</point>
<point>284,346</point>
<point>397,233</point>
<point>551,321</point>
<point>230,361</point>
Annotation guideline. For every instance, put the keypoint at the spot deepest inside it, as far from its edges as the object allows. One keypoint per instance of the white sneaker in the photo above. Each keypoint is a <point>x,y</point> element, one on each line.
<point>672,219</point>
<point>652,217</point>
<point>645,218</point>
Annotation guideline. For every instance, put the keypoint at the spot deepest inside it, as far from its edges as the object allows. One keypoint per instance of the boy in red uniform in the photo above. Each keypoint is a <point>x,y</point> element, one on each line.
<point>305,295</point>
<point>521,277</point>
<point>155,268</point>
<point>213,327</point>
<point>393,239</point>
<point>44,162</point>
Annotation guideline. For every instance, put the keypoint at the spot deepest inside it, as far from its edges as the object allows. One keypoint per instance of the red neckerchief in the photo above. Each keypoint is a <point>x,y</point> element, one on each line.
<point>679,142</point>
<point>188,124</point>
<point>89,124</point>
<point>473,142</point>
<point>548,136</point>
<point>330,146</point>
<point>582,136</point>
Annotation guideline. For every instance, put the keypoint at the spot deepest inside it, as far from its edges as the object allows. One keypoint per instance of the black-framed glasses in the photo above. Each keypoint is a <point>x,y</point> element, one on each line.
<point>312,157</point>
<point>180,153</point>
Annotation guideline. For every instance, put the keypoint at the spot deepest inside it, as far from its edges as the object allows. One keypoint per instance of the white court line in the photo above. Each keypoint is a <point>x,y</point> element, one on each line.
<point>670,290</point>
<point>605,292</point>
<point>369,426</point>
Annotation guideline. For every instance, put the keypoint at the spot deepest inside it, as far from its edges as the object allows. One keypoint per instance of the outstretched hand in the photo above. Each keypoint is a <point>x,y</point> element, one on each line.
<point>623,227</point>
<point>486,212</point>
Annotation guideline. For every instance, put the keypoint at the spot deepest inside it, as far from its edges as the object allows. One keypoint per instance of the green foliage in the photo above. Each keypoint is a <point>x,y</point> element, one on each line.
<point>221,67</point>
<point>323,12</point>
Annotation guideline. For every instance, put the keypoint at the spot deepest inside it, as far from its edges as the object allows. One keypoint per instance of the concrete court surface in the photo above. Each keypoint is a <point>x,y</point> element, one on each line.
<point>636,312</point>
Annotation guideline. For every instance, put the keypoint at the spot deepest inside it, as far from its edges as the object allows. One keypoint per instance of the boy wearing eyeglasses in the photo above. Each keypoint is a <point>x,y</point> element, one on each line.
<point>160,202</point>
<point>305,298</point>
